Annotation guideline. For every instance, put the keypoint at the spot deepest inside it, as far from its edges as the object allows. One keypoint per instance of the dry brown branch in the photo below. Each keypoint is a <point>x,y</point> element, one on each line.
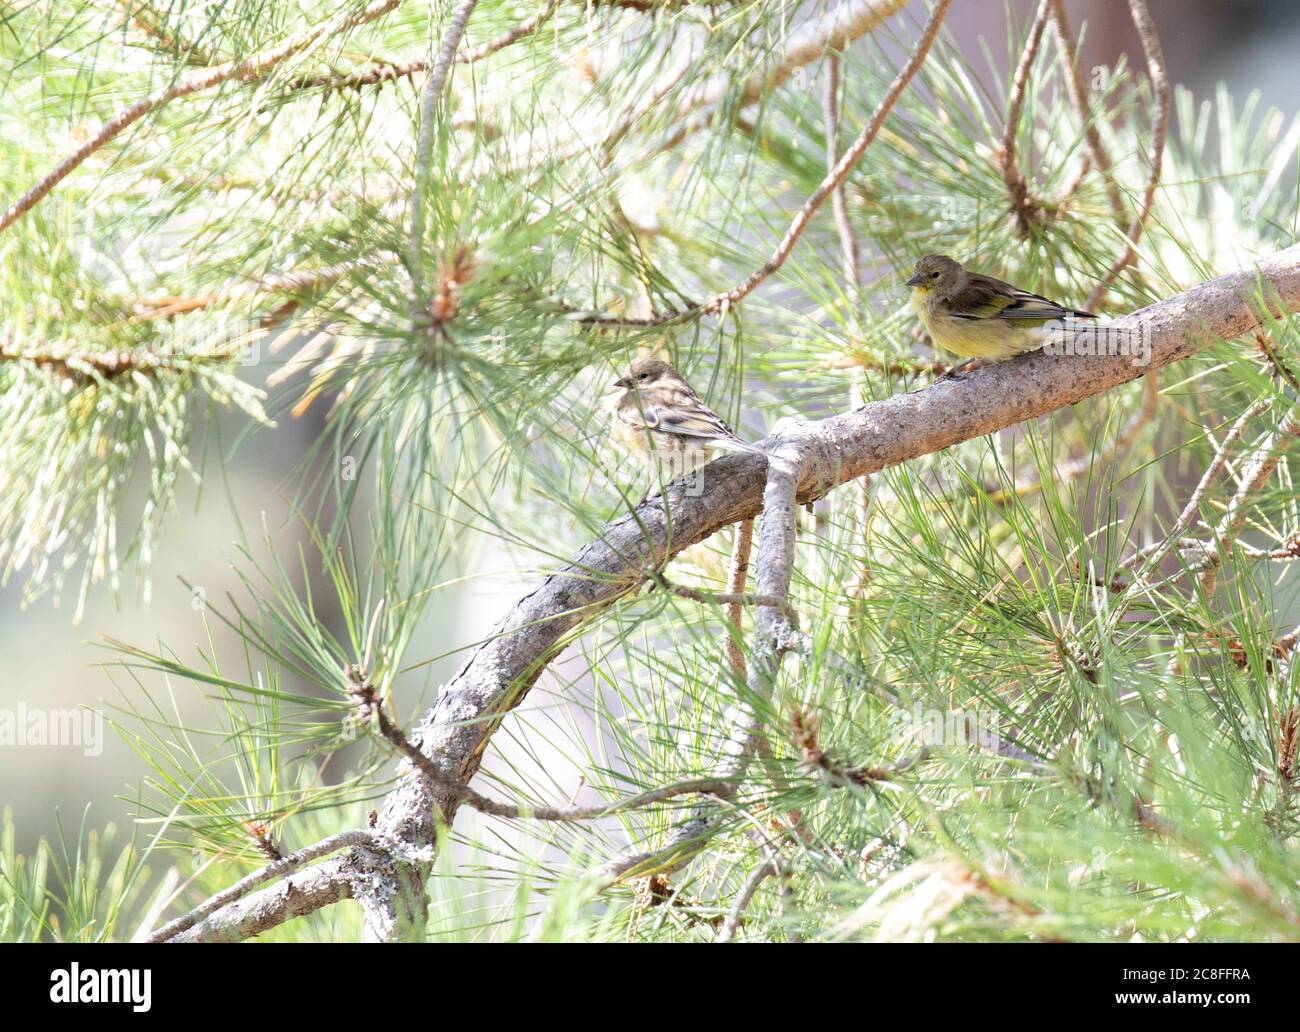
<point>736,578</point>
<point>1023,207</point>
<point>457,730</point>
<point>150,22</point>
<point>430,105</point>
<point>831,128</point>
<point>250,68</point>
<point>1146,29</point>
<point>770,867</point>
<point>836,176</point>
<point>1075,86</point>
<point>82,366</point>
<point>382,71</point>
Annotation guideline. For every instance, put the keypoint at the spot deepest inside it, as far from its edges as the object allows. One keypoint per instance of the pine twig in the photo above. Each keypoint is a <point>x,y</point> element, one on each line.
<point>1023,207</point>
<point>80,366</point>
<point>1256,476</point>
<point>370,708</point>
<point>836,176</point>
<point>381,72</point>
<point>1146,29</point>
<point>733,600</point>
<point>250,68</point>
<point>430,104</point>
<point>736,578</point>
<point>1077,90</point>
<point>770,867</point>
<point>831,129</point>
<point>275,869</point>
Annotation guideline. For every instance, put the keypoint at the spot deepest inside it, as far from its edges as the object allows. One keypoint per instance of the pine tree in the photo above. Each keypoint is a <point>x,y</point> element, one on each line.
<point>1001,657</point>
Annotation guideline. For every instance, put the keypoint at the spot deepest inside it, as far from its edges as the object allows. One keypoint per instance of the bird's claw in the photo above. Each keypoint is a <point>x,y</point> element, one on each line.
<point>960,371</point>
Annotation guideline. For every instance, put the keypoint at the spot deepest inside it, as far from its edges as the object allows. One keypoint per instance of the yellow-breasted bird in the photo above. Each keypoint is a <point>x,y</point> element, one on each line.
<point>977,316</point>
<point>655,409</point>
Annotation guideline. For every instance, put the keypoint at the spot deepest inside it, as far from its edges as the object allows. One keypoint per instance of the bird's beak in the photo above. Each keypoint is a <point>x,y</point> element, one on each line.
<point>621,383</point>
<point>915,280</point>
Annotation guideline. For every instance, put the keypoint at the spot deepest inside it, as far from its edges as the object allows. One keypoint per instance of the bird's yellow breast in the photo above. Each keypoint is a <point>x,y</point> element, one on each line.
<point>970,338</point>
<point>917,303</point>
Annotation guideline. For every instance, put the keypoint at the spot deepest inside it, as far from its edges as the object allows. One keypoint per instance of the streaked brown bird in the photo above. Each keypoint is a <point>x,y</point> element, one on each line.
<point>656,412</point>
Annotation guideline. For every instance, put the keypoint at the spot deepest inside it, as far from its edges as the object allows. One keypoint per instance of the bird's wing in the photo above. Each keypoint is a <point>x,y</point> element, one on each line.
<point>984,297</point>
<point>674,410</point>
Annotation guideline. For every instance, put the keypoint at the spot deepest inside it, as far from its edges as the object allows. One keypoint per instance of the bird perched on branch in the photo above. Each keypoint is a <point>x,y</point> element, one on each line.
<point>979,317</point>
<point>657,412</point>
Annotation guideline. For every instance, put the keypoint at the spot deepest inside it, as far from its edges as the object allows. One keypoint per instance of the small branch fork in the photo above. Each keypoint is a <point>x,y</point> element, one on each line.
<point>1258,470</point>
<point>370,709</point>
<point>787,465</point>
<point>733,600</point>
<point>276,869</point>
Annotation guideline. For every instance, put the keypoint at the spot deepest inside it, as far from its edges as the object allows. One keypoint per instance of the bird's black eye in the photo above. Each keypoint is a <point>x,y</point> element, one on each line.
<point>644,376</point>
<point>934,275</point>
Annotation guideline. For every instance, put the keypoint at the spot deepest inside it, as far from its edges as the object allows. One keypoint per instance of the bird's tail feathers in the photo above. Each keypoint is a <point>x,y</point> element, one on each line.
<point>737,445</point>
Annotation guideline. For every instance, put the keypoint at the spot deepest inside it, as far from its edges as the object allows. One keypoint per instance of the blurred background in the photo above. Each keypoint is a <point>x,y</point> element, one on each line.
<point>51,663</point>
